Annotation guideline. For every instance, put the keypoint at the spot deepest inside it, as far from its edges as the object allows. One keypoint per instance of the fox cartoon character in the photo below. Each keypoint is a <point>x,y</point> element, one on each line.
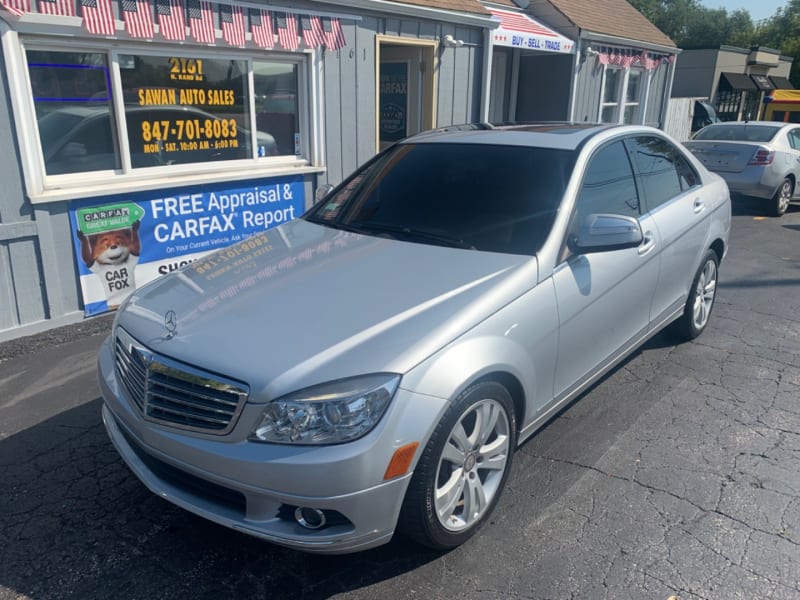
<point>112,256</point>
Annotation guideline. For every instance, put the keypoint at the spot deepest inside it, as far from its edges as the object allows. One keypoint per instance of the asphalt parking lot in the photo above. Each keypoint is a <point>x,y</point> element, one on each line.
<point>678,475</point>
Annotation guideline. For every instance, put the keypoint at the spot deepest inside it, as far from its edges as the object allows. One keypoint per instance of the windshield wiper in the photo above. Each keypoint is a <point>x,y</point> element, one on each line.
<point>412,234</point>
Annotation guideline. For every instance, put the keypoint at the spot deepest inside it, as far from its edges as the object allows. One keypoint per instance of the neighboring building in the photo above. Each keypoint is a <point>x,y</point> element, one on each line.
<point>735,80</point>
<point>619,69</point>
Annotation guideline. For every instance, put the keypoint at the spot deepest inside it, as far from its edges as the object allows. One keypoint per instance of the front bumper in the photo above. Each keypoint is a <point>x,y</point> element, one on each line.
<point>253,487</point>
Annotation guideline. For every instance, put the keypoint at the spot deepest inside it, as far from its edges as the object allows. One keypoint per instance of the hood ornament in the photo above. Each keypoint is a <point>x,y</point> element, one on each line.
<point>171,323</point>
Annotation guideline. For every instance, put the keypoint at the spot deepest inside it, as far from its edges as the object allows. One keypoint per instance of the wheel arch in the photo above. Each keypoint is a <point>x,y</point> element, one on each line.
<point>514,388</point>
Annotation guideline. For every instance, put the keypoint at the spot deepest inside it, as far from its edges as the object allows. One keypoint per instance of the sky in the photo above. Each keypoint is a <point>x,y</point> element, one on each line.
<point>762,9</point>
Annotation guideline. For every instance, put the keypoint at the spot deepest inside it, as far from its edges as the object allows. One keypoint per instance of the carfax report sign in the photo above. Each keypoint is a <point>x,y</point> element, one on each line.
<point>126,240</point>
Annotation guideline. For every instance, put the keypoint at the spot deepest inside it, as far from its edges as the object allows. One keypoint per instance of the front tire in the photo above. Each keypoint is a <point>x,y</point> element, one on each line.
<point>463,469</point>
<point>781,199</point>
<point>702,294</point>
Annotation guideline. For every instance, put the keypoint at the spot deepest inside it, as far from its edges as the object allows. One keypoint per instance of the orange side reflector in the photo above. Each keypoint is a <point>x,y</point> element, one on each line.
<point>401,460</point>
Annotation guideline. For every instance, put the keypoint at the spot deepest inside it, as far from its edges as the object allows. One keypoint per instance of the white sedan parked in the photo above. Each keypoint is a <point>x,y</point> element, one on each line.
<point>757,158</point>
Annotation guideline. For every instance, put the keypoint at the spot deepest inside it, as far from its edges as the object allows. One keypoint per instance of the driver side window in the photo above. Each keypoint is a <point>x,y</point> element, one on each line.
<point>608,185</point>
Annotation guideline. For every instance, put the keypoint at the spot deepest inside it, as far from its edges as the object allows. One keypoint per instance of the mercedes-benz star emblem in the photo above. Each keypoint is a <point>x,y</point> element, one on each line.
<point>171,322</point>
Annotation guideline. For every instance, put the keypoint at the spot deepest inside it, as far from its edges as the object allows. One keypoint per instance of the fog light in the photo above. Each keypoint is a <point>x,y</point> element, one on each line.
<point>310,518</point>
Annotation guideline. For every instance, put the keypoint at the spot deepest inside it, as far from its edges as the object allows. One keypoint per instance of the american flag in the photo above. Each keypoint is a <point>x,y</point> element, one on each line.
<point>138,17</point>
<point>231,20</point>
<point>311,27</point>
<point>261,28</point>
<point>171,22</point>
<point>286,24</point>
<point>98,17</point>
<point>16,7</point>
<point>62,8</point>
<point>201,21</point>
<point>333,33</point>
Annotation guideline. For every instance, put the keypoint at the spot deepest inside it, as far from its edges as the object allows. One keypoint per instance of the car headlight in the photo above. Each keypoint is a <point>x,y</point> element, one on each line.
<point>330,413</point>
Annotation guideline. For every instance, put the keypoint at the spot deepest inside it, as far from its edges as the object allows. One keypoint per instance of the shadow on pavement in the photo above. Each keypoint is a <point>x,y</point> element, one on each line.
<point>77,524</point>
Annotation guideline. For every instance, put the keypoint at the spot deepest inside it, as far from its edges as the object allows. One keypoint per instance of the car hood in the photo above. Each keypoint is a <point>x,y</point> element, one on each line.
<point>303,304</point>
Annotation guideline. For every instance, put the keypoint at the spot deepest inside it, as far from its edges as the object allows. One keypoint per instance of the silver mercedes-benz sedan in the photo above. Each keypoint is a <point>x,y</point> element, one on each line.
<point>373,365</point>
<point>757,158</point>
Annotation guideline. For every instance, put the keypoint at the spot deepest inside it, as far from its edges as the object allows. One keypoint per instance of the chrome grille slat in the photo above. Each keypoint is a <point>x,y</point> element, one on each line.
<point>175,394</point>
<point>158,396</point>
<point>187,415</point>
<point>175,387</point>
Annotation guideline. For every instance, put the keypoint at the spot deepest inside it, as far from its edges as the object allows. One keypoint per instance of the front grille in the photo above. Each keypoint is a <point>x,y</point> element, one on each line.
<point>176,394</point>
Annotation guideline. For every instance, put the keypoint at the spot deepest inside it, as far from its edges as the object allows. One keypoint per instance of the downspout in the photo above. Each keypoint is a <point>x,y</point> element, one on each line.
<point>486,90</point>
<point>576,65</point>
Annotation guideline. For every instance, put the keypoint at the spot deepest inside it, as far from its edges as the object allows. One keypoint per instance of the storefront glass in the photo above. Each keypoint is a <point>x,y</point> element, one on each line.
<point>180,109</point>
<point>74,112</point>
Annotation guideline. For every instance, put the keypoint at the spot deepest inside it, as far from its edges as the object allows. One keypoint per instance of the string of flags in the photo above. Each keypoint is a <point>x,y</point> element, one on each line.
<point>175,17</point>
<point>625,57</point>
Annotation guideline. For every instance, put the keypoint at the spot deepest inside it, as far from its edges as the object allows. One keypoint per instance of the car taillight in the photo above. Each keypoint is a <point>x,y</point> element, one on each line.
<point>762,157</point>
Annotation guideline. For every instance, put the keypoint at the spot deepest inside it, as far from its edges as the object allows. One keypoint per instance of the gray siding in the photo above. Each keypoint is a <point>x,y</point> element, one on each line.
<point>350,86</point>
<point>587,90</point>
<point>38,279</point>
<point>655,101</point>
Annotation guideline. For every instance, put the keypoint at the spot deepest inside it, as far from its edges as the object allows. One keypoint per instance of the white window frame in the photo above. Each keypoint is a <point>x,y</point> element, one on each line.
<point>41,187</point>
<point>621,102</point>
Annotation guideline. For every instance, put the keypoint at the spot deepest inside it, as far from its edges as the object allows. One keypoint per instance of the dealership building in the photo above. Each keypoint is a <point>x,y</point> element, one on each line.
<point>142,134</point>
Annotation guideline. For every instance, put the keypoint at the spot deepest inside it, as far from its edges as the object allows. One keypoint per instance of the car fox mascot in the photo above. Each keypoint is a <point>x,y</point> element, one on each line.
<point>112,256</point>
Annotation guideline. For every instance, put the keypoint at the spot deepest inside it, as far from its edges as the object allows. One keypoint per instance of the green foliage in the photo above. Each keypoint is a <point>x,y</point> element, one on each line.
<point>782,32</point>
<point>692,25</point>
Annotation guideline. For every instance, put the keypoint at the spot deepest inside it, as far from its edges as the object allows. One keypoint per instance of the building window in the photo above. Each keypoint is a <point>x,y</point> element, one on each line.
<point>621,95</point>
<point>124,112</point>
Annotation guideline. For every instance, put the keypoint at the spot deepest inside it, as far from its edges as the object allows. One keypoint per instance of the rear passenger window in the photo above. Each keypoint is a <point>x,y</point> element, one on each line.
<point>664,173</point>
<point>609,186</point>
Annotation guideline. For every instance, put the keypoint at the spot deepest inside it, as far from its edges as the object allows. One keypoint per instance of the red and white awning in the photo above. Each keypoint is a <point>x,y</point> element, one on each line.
<point>518,30</point>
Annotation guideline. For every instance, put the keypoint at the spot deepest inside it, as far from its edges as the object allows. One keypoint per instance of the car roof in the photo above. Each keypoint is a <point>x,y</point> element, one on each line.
<point>558,135</point>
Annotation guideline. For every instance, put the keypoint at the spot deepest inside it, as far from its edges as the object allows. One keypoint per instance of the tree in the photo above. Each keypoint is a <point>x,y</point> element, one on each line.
<point>782,32</point>
<point>691,25</point>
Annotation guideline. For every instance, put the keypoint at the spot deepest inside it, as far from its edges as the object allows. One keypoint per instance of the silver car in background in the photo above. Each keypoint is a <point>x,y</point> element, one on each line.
<point>372,366</point>
<point>756,158</point>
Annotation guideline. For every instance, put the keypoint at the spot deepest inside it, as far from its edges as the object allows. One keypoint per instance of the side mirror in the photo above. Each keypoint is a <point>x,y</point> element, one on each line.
<point>603,233</point>
<point>322,191</point>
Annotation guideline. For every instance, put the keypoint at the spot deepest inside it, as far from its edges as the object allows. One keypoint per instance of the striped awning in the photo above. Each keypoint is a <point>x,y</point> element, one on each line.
<point>518,30</point>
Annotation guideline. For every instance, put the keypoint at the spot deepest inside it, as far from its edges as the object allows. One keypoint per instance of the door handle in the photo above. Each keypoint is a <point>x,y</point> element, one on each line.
<point>699,206</point>
<point>648,243</point>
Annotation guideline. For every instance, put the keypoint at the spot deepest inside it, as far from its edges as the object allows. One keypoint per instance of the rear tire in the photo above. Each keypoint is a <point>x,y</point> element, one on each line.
<point>781,199</point>
<point>700,302</point>
<point>463,469</point>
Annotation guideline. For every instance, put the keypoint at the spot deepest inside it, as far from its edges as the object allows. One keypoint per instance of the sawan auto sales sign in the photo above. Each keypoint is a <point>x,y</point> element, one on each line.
<point>124,241</point>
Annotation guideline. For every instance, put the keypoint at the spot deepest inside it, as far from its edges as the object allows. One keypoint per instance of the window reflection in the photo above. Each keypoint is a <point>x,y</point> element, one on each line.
<point>74,112</point>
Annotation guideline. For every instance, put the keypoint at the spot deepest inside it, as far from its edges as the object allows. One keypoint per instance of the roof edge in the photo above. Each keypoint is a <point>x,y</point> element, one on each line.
<point>421,12</point>
<point>617,40</point>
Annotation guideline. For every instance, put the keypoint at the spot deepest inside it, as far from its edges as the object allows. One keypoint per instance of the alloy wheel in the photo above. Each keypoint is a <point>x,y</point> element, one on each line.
<point>784,196</point>
<point>471,465</point>
<point>704,294</point>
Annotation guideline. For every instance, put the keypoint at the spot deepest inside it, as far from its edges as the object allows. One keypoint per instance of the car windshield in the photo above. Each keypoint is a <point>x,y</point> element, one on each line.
<point>475,196</point>
<point>738,133</point>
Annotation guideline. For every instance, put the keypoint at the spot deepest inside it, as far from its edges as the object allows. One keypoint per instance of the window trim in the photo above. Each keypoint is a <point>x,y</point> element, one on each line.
<point>41,187</point>
<point>621,102</point>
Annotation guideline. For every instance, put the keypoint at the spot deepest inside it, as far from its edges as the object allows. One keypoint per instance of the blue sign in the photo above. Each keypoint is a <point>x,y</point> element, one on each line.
<point>126,240</point>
